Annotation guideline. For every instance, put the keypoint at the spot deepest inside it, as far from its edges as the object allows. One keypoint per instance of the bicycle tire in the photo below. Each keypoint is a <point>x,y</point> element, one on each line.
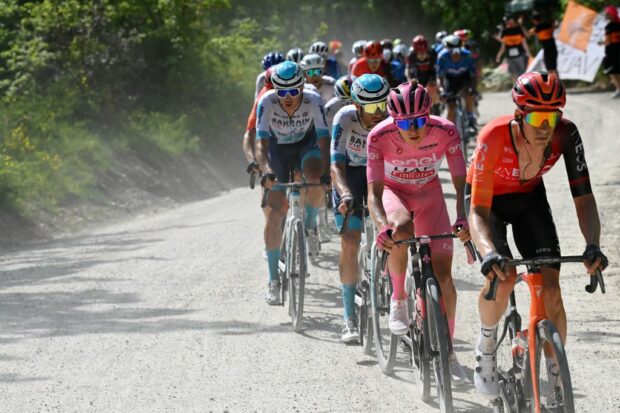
<point>297,276</point>
<point>363,303</point>
<point>380,293</point>
<point>439,337</point>
<point>284,248</point>
<point>420,363</point>
<point>548,333</point>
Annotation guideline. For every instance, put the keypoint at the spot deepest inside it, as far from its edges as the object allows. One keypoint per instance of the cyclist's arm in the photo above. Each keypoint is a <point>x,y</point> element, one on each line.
<point>526,47</point>
<point>338,157</point>
<point>480,229</point>
<point>248,145</point>
<point>375,174</point>
<point>263,135</point>
<point>500,53</point>
<point>322,133</point>
<point>458,172</point>
<point>589,222</point>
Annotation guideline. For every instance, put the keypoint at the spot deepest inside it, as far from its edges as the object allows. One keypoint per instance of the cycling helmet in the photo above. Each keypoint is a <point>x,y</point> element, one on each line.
<point>295,55</point>
<point>462,34</point>
<point>272,59</point>
<point>373,50</point>
<point>409,100</point>
<point>287,75</point>
<point>335,45</point>
<point>397,41</point>
<point>452,41</point>
<point>319,48</point>
<point>419,43</point>
<point>387,44</point>
<point>400,51</point>
<point>312,61</point>
<point>539,91</point>
<point>369,88</point>
<point>358,48</point>
<point>342,88</point>
<point>440,36</point>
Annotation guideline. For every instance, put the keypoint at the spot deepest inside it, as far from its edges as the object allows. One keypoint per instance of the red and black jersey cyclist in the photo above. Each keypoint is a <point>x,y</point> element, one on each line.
<point>505,186</point>
<point>421,66</point>
<point>372,63</point>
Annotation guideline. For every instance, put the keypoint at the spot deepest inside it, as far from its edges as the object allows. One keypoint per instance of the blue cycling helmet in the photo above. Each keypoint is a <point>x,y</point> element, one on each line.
<point>287,75</point>
<point>272,59</point>
<point>369,88</point>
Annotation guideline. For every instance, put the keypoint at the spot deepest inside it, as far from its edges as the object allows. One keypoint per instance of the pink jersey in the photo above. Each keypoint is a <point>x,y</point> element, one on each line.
<point>404,168</point>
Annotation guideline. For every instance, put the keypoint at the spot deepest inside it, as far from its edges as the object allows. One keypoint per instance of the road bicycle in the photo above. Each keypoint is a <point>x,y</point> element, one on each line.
<point>461,121</point>
<point>294,251</point>
<point>519,357</point>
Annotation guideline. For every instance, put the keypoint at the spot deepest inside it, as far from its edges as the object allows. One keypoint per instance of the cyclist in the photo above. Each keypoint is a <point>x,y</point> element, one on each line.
<point>405,196</point>
<point>348,155</point>
<point>295,55</point>
<point>505,186</point>
<point>515,44</point>
<point>291,132</point>
<point>457,72</point>
<point>270,59</point>
<point>421,66</point>
<point>358,50</point>
<point>331,68</point>
<point>438,45</point>
<point>372,62</point>
<point>313,66</point>
<point>342,98</point>
<point>398,63</point>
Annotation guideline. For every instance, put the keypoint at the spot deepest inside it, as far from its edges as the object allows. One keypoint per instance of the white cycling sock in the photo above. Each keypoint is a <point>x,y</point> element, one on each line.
<point>487,339</point>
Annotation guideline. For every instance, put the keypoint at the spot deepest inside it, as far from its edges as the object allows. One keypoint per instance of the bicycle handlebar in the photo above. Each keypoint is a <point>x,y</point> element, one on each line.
<point>595,280</point>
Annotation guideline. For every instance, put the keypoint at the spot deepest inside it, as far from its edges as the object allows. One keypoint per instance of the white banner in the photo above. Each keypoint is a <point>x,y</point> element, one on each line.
<point>573,63</point>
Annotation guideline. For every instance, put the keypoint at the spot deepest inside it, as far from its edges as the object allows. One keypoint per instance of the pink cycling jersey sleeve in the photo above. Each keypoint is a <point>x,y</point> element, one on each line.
<point>405,168</point>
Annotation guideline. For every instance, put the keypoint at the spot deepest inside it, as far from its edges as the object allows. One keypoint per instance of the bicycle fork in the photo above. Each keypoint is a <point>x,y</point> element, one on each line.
<point>534,281</point>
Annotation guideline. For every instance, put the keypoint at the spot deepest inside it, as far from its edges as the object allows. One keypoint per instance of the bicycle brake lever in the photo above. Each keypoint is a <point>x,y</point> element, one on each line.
<point>595,281</point>
<point>490,295</point>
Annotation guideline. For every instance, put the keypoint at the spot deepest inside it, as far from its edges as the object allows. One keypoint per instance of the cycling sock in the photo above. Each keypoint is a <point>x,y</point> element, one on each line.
<point>486,339</point>
<point>311,214</point>
<point>398,283</point>
<point>273,256</point>
<point>553,372</point>
<point>348,299</point>
<point>451,325</point>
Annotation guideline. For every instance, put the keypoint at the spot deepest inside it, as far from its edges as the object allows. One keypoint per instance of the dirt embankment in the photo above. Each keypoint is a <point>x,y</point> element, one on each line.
<point>135,183</point>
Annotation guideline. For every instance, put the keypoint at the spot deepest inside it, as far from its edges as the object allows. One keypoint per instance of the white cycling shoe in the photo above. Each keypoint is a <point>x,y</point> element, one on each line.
<point>273,293</point>
<point>486,378</point>
<point>457,374</point>
<point>399,317</point>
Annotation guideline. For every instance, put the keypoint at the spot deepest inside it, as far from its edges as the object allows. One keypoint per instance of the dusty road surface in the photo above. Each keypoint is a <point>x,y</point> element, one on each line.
<point>166,312</point>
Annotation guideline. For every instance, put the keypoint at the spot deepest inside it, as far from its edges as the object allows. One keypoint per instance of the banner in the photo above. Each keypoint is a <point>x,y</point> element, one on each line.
<point>579,54</point>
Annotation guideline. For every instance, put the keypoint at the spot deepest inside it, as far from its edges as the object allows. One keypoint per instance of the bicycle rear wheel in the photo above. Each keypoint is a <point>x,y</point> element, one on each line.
<point>439,337</point>
<point>380,294</point>
<point>561,398</point>
<point>297,275</point>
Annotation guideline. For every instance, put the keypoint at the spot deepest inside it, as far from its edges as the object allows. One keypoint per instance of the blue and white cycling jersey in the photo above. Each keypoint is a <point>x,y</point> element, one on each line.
<point>327,89</point>
<point>332,107</point>
<point>273,121</point>
<point>349,138</point>
<point>447,67</point>
<point>332,67</point>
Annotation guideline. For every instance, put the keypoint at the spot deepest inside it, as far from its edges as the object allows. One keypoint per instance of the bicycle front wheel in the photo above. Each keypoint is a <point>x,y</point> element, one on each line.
<point>297,275</point>
<point>380,294</point>
<point>560,398</point>
<point>439,337</point>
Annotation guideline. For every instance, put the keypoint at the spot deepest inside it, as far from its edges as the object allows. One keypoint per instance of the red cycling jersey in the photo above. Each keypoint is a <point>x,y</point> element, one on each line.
<point>361,66</point>
<point>495,168</point>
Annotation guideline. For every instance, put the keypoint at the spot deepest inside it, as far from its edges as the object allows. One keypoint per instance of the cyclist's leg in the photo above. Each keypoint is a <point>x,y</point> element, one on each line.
<point>310,160</point>
<point>452,89</point>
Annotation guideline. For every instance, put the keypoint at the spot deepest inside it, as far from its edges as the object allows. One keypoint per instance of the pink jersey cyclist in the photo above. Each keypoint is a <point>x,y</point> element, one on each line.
<point>410,175</point>
<point>405,152</point>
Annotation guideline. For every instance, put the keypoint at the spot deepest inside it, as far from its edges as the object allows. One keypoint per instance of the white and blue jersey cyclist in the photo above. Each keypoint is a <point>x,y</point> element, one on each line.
<point>342,98</point>
<point>352,124</point>
<point>291,134</point>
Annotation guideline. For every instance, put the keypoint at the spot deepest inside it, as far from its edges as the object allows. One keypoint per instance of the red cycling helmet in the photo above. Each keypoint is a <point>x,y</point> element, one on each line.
<point>419,43</point>
<point>373,50</point>
<point>409,100</point>
<point>539,91</point>
<point>463,34</point>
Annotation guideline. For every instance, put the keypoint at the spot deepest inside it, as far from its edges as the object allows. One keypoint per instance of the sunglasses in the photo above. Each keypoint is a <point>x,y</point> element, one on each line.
<point>536,119</point>
<point>375,107</point>
<point>374,60</point>
<point>415,123</point>
<point>314,72</point>
<point>283,92</point>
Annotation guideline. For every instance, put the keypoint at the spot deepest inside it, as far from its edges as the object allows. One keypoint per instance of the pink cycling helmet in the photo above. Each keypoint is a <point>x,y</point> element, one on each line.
<point>409,100</point>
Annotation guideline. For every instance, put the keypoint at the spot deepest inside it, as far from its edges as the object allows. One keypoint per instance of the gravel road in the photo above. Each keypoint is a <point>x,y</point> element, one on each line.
<point>165,312</point>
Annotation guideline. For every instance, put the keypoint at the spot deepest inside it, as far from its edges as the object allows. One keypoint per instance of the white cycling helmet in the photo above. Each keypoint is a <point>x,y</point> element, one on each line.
<point>312,61</point>
<point>400,50</point>
<point>295,55</point>
<point>358,48</point>
<point>287,75</point>
<point>319,48</point>
<point>451,41</point>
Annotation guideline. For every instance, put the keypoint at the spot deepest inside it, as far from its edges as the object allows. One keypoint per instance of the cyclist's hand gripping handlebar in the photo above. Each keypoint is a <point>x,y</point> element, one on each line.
<point>488,262</point>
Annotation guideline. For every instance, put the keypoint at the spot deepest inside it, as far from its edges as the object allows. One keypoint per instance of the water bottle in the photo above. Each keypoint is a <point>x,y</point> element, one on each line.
<point>519,346</point>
